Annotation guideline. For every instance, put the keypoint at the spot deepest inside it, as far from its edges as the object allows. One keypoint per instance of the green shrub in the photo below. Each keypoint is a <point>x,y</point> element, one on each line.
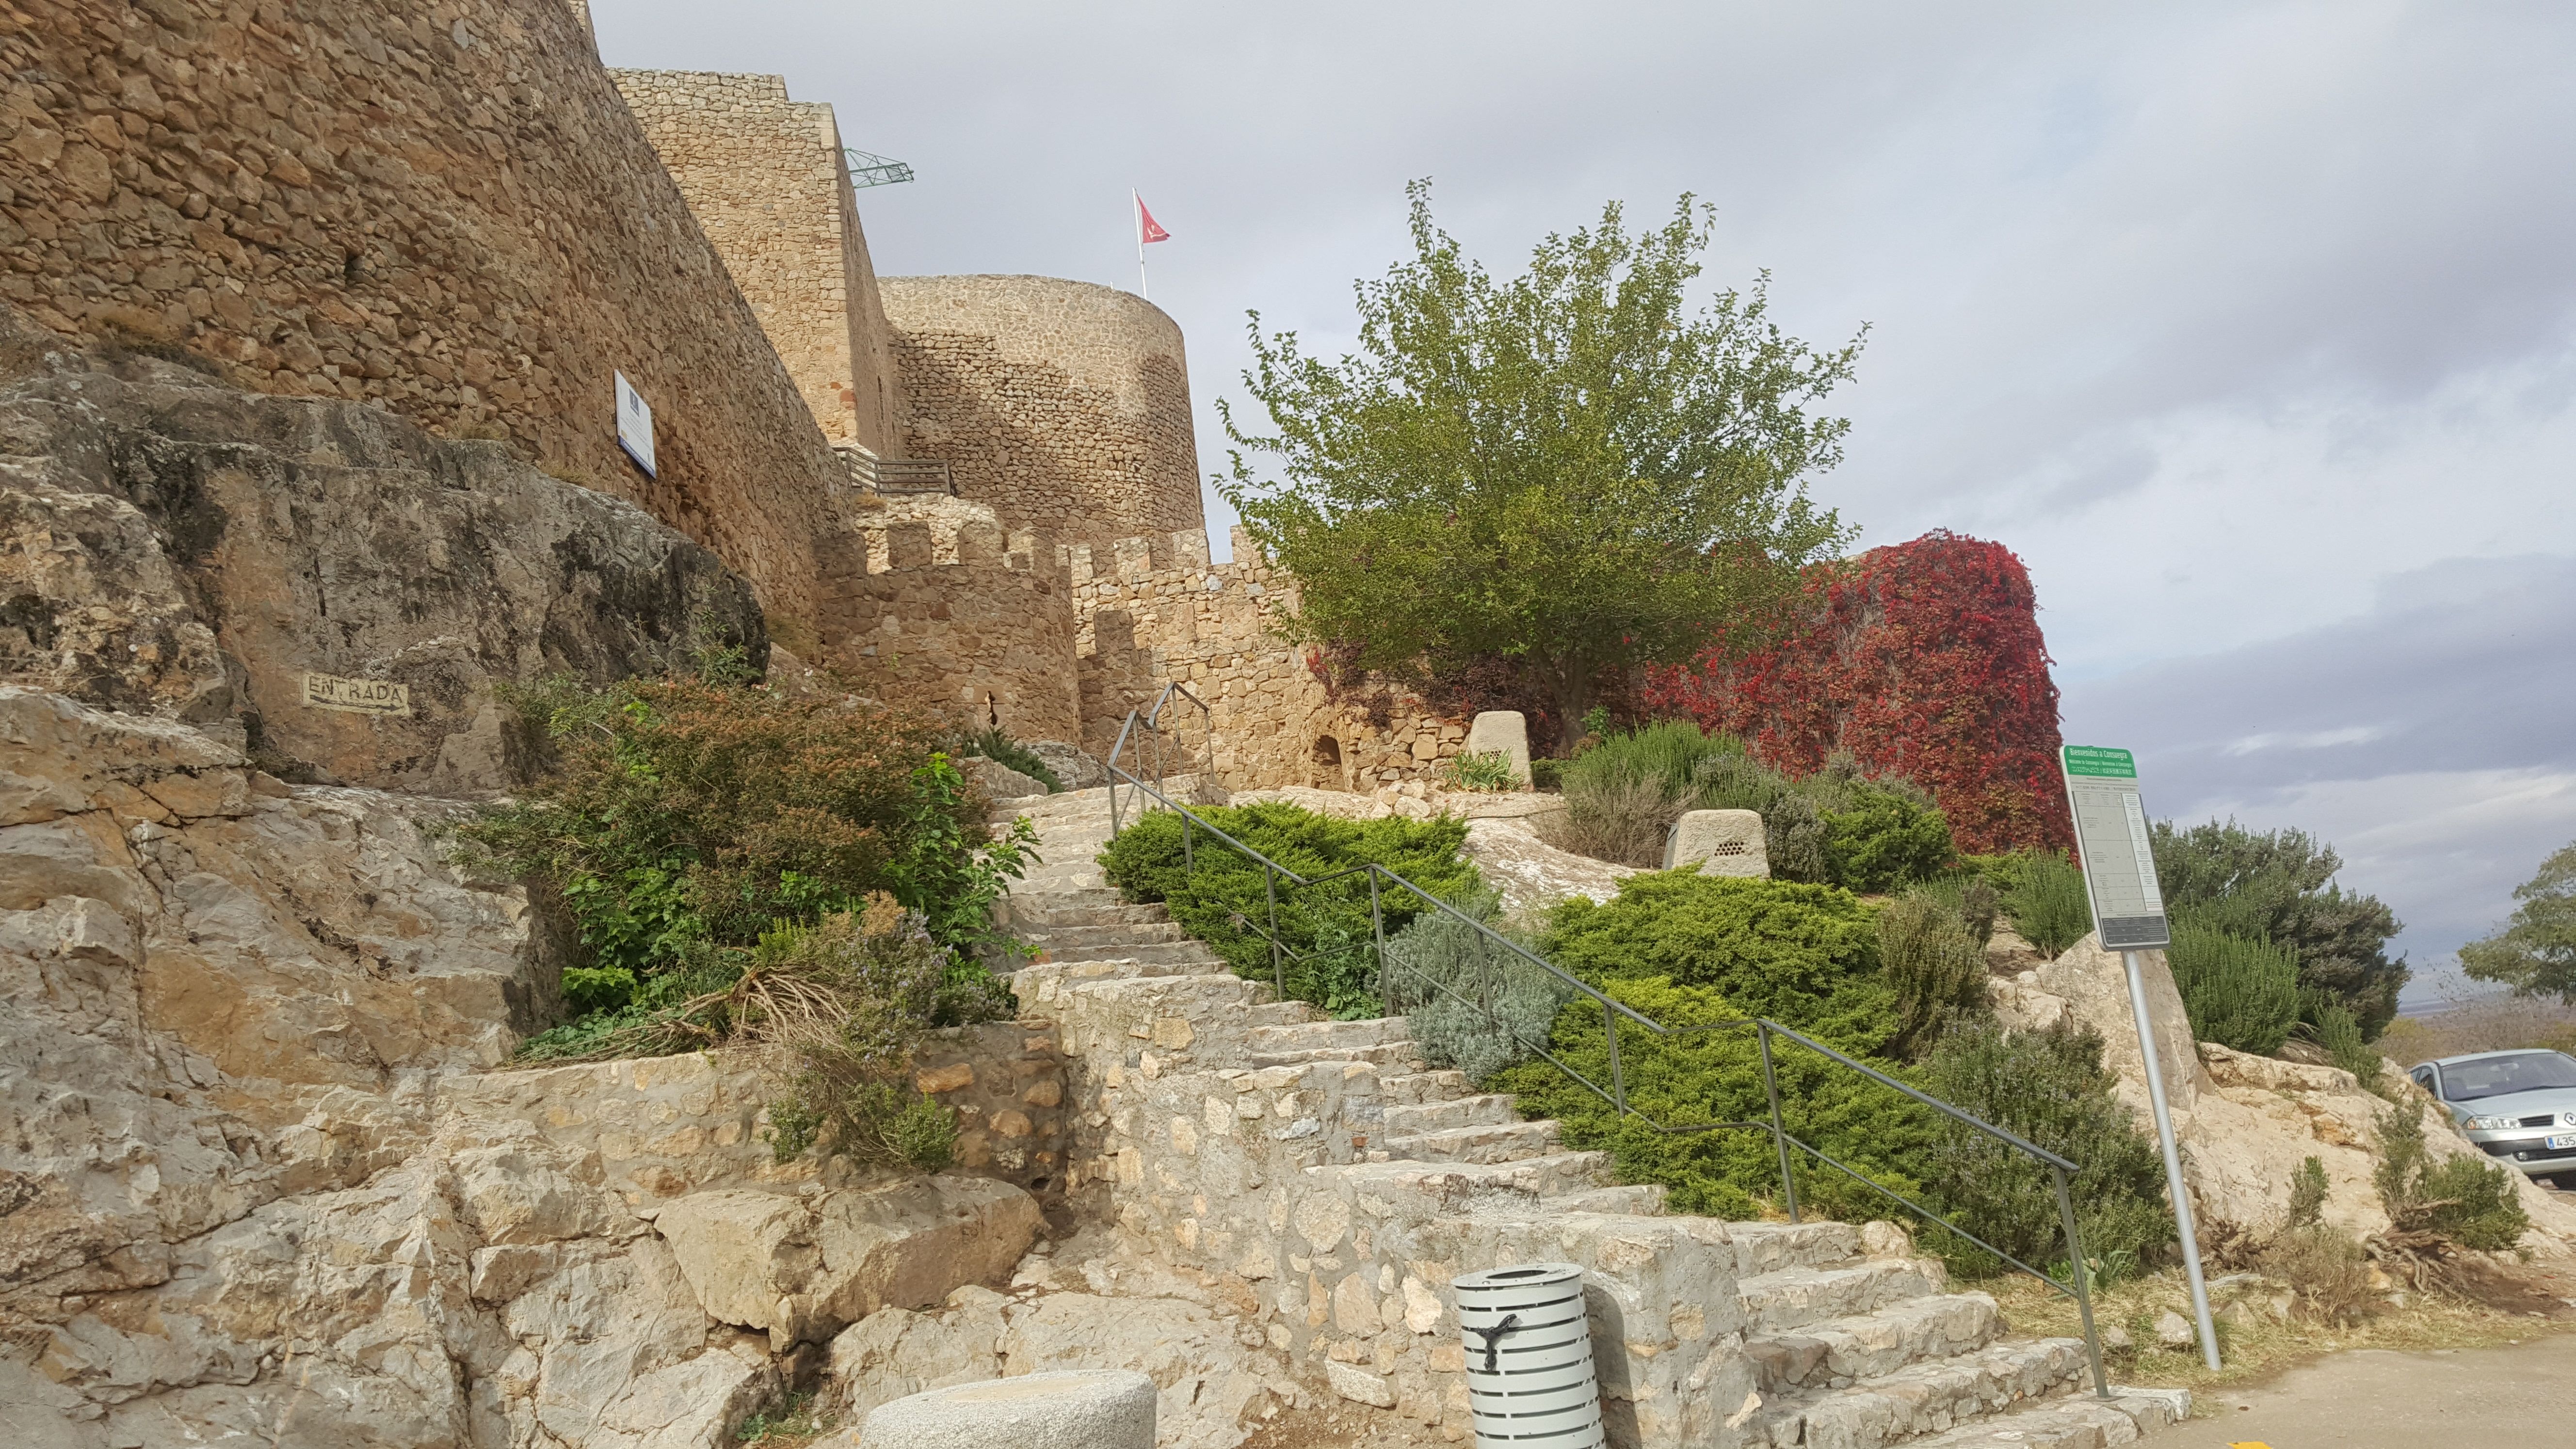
<point>2051,1089</point>
<point>1968,893</point>
<point>1481,770</point>
<point>679,814</point>
<point>1696,1078</point>
<point>1547,774</point>
<point>1936,966</point>
<point>1804,955</point>
<point>1001,749</point>
<point>2239,992</point>
<point>1837,826</point>
<point>1884,838</point>
<point>2308,1191</point>
<point>2280,885</point>
<point>2339,1032</point>
<point>1687,950</point>
<point>2459,1201</point>
<point>1472,1004</point>
<point>2044,895</point>
<point>1222,900</point>
<point>603,988</point>
<point>1623,794</point>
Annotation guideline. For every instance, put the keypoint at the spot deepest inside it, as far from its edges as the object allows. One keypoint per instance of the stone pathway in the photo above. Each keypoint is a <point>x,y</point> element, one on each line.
<point>1850,1344</point>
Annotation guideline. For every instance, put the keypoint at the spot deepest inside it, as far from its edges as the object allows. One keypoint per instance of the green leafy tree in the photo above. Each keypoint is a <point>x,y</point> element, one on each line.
<point>1567,469</point>
<point>2536,951</point>
<point>2279,886</point>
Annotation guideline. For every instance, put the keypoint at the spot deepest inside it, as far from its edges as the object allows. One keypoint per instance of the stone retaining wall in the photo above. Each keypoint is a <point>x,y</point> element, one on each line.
<point>443,208</point>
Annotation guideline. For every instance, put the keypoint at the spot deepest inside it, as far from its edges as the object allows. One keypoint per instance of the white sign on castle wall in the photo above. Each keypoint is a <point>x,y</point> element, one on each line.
<point>635,426</point>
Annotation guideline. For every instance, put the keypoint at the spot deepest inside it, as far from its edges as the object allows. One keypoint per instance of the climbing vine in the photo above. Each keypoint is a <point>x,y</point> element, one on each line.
<point>1923,660</point>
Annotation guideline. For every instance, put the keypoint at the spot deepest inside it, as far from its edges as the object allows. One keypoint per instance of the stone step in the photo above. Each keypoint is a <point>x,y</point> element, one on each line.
<point>1791,1297</point>
<point>1282,1013</point>
<point>1078,875</point>
<point>1768,1247</point>
<point>1388,1054</point>
<point>1178,953</point>
<point>1838,1352</point>
<point>1486,1109</point>
<point>1099,897</point>
<point>2074,1421</point>
<point>1069,842</point>
<point>1556,1175</point>
<point>1486,1143</point>
<point>1040,911</point>
<point>1416,1088</point>
<point>1645,1200</point>
<point>1317,1035</point>
<point>1026,978</point>
<point>1134,933</point>
<point>1919,1399</point>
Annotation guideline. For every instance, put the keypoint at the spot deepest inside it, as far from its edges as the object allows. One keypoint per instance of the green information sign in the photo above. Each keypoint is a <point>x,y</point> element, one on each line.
<point>2111,839</point>
<point>2095,761</point>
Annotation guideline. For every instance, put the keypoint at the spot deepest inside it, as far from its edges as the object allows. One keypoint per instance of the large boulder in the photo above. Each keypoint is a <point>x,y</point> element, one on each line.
<point>804,1267</point>
<point>341,585</point>
<point>1216,1375</point>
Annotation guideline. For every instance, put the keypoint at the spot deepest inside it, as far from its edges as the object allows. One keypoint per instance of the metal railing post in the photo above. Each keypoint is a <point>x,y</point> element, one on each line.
<point>1618,1074</point>
<point>1377,930</point>
<point>1278,972</point>
<point>1779,1132</point>
<point>1189,862</point>
<point>2083,1280</point>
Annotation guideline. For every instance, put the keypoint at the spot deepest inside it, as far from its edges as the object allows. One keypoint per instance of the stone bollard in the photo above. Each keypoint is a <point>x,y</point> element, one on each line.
<point>1504,731</point>
<point>1084,1409</point>
<point>1719,842</point>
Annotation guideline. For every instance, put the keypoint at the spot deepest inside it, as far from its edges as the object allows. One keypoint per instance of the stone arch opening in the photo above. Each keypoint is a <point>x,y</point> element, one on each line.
<point>1328,752</point>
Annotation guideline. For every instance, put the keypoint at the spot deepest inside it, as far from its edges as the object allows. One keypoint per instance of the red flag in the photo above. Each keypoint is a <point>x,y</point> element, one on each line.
<point>1148,229</point>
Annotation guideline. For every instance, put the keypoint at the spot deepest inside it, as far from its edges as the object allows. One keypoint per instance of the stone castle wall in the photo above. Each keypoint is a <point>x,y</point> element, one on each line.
<point>983,637</point>
<point>764,176</point>
<point>1154,610</point>
<point>1064,405</point>
<point>443,208</point>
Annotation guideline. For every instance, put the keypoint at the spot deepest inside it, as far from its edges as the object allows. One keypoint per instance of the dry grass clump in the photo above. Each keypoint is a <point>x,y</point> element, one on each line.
<point>2255,1341</point>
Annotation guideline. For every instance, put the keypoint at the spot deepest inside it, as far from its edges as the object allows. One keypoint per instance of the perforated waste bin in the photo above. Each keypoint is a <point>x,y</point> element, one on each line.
<point>1529,1357</point>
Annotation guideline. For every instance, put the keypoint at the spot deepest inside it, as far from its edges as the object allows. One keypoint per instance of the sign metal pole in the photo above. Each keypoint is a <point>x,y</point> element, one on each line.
<point>2129,915</point>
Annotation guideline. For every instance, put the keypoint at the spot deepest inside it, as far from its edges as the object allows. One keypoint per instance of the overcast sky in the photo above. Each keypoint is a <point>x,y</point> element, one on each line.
<point>2252,328</point>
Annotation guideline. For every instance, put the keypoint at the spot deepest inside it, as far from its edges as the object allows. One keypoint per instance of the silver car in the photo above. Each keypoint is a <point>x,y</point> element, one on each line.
<point>2519,1106</point>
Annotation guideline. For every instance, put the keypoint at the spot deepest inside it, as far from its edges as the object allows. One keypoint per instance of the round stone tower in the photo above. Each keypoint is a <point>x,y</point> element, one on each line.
<point>1064,405</point>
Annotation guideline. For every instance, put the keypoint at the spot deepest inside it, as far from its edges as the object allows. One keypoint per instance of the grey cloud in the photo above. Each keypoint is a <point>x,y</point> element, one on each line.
<point>2467,664</point>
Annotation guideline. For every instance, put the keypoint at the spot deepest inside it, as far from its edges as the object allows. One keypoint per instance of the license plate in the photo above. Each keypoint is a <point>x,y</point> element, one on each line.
<point>2562,1142</point>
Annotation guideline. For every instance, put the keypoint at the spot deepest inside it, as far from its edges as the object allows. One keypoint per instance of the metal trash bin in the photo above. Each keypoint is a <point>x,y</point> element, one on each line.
<point>1529,1357</point>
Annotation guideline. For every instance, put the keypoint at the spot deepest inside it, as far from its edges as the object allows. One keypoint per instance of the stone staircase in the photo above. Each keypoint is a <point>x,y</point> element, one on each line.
<point>1320,1175</point>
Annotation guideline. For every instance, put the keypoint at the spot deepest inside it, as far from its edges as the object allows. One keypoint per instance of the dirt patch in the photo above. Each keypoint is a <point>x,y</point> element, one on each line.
<point>2514,1305</point>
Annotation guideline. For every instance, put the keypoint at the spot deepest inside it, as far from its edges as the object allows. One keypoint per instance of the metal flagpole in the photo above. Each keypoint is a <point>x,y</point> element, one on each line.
<point>1136,218</point>
<point>2173,1164</point>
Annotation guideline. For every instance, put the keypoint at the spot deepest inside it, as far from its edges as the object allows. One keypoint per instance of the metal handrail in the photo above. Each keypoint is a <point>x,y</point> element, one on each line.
<point>2060,1168</point>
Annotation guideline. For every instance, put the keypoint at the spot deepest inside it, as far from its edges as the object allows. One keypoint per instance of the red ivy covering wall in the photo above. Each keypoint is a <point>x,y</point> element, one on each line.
<point>1924,660</point>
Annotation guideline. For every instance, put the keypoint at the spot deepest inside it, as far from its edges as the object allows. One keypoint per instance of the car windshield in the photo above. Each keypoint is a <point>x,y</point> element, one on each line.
<point>2496,1076</point>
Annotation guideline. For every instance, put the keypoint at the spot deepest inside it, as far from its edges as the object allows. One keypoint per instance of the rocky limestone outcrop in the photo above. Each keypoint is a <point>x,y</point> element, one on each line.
<point>170,546</point>
<point>2244,1122</point>
<point>264,1175</point>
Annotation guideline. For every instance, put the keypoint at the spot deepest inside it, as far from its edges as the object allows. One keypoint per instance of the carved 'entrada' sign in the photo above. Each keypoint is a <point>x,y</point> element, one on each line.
<point>358,696</point>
